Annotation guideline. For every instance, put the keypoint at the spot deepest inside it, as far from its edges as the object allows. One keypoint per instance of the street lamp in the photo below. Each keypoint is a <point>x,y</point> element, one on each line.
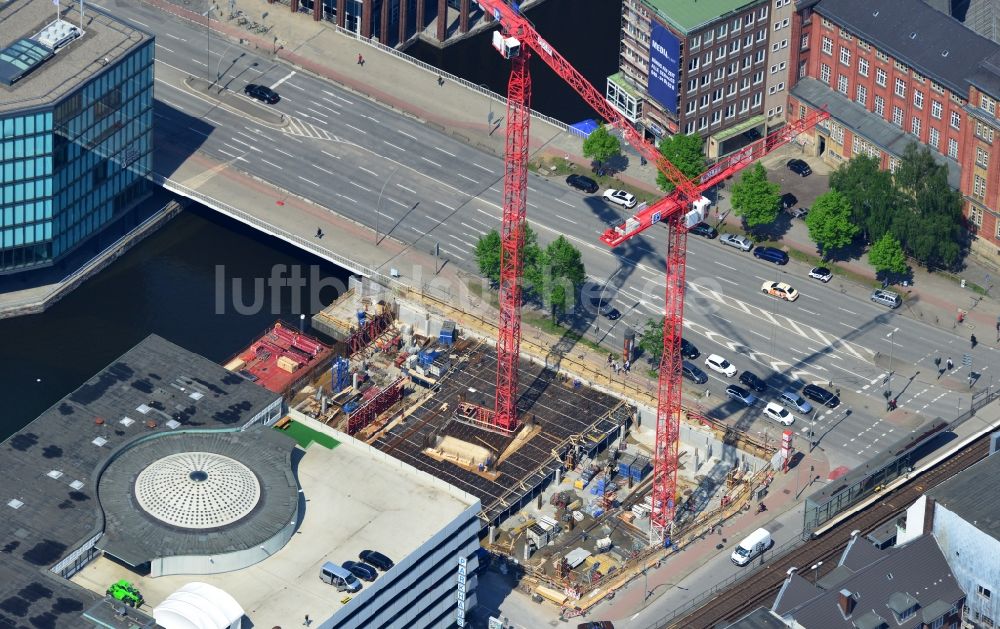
<point>208,43</point>
<point>378,210</point>
<point>887,386</point>
<point>815,569</point>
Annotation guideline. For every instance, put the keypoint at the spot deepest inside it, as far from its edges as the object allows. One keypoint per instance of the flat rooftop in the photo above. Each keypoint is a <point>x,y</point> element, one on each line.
<point>690,15</point>
<point>356,499</point>
<point>566,416</point>
<point>48,506</point>
<point>105,41</point>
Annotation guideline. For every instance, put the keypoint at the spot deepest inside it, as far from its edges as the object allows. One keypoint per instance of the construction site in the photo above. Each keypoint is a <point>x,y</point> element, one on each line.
<point>566,495</point>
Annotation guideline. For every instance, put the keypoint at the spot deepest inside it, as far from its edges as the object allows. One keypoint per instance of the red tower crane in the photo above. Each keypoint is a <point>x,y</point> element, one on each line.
<point>680,210</point>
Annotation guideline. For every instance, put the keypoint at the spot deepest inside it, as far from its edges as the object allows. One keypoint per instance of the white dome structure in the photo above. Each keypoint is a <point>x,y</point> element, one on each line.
<point>199,606</point>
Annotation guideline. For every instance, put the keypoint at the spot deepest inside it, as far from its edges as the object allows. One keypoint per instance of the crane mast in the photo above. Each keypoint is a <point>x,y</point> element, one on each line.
<point>679,210</point>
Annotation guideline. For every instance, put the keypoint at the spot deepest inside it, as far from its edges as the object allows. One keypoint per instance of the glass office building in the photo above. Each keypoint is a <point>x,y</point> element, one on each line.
<point>75,133</point>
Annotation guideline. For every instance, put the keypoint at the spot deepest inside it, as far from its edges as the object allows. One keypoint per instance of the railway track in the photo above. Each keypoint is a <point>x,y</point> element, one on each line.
<point>747,595</point>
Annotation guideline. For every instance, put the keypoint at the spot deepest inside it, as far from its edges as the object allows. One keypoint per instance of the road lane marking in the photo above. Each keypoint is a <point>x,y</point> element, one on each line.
<point>564,203</point>
<point>202,133</point>
<point>398,148</point>
<point>725,265</point>
<point>438,148</point>
<point>309,181</point>
<point>329,101</point>
<point>250,146</point>
<point>172,36</point>
<point>430,161</point>
<point>270,164</point>
<point>563,218</point>
<point>318,113</point>
<point>284,152</point>
<point>323,169</point>
<point>410,190</point>
<point>330,154</point>
<point>847,311</point>
<point>467,178</point>
<point>399,203</point>
<point>808,312</point>
<point>167,49</point>
<point>301,89</point>
<point>201,63</point>
<point>482,167</point>
<point>374,174</point>
<point>140,23</point>
<point>412,137</point>
<point>375,120</point>
<point>283,79</point>
<point>338,97</point>
<point>358,185</point>
<point>362,131</point>
<point>727,281</point>
<point>225,153</point>
<point>445,205</point>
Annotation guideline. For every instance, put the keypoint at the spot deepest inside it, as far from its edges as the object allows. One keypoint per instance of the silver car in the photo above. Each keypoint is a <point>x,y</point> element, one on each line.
<point>740,242</point>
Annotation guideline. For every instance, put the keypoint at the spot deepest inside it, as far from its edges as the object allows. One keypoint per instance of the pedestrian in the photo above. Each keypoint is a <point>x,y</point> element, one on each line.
<point>937,361</point>
<point>950,363</point>
<point>972,339</point>
<point>627,365</point>
<point>440,80</point>
<point>361,60</point>
<point>319,232</point>
<point>307,622</point>
<point>610,358</point>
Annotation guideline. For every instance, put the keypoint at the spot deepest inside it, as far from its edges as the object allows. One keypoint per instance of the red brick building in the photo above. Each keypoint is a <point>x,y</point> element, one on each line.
<point>889,77</point>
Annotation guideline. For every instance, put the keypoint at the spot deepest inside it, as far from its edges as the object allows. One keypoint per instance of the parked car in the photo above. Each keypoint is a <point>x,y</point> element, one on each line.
<point>791,398</point>
<point>361,570</point>
<point>704,229</point>
<point>770,254</point>
<point>751,380</point>
<point>580,182</point>
<point>376,559</point>
<point>620,197</point>
<point>821,273</point>
<point>778,413</point>
<point>261,93</point>
<point>693,373</point>
<point>688,350</point>
<point>596,624</point>
<point>740,242</point>
<point>721,365</point>
<point>788,201</point>
<point>821,395</point>
<point>799,167</point>
<point>780,290</point>
<point>741,395</point>
<point>608,311</point>
<point>886,298</point>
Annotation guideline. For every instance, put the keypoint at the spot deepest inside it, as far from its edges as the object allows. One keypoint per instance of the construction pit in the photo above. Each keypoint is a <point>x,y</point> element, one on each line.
<point>565,496</point>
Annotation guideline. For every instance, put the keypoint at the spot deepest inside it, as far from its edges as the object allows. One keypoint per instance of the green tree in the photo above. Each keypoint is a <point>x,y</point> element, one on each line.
<point>871,193</point>
<point>886,256</point>
<point>601,145</point>
<point>829,222</point>
<point>651,340</point>
<point>754,198</point>
<point>562,272</point>
<point>684,152</point>
<point>488,255</point>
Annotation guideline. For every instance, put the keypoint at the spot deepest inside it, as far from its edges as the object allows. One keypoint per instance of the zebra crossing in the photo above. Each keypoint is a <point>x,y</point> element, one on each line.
<point>786,323</point>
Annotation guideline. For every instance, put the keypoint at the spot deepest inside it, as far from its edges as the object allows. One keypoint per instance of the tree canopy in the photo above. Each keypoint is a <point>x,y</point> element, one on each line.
<point>651,340</point>
<point>684,152</point>
<point>754,198</point>
<point>601,145</point>
<point>830,222</point>
<point>916,205</point>
<point>488,255</point>
<point>886,256</point>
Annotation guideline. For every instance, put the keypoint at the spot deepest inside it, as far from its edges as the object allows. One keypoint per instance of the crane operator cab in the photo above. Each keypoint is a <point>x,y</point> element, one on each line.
<point>509,47</point>
<point>698,212</point>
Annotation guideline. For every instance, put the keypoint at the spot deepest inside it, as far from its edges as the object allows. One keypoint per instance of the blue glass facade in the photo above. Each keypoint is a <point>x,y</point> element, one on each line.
<point>69,169</point>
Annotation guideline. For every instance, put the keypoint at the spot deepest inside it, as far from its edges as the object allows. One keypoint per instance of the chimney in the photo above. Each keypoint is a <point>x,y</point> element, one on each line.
<point>845,600</point>
<point>928,523</point>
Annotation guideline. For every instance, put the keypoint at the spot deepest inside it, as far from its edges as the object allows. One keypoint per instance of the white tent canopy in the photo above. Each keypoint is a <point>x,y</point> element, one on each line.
<point>198,606</point>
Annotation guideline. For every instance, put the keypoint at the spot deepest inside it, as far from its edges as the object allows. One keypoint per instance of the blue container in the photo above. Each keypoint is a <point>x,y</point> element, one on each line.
<point>598,512</point>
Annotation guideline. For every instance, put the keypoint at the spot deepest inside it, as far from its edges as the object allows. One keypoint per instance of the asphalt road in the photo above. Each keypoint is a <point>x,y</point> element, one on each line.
<point>424,188</point>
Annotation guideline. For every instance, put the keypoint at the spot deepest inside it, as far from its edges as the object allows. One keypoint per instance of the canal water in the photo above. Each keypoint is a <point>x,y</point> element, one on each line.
<point>167,285</point>
<point>586,32</point>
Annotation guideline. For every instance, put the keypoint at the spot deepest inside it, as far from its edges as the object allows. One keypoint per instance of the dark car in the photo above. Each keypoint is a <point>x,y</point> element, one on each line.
<point>821,395</point>
<point>704,229</point>
<point>361,570</point>
<point>580,182</point>
<point>693,373</point>
<point>688,350</point>
<point>261,93</point>
<point>751,380</point>
<point>799,167</point>
<point>788,201</point>
<point>770,254</point>
<point>376,559</point>
<point>596,624</point>
<point>608,311</point>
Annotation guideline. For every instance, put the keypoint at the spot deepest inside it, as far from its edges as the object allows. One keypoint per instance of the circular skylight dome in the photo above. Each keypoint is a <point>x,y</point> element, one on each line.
<point>197,490</point>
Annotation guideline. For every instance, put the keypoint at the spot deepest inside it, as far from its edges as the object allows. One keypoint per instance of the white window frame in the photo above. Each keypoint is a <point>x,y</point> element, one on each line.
<point>824,73</point>
<point>956,120</point>
<point>881,77</point>
<point>936,109</point>
<point>918,99</point>
<point>879,106</point>
<point>845,56</point>
<point>900,87</point>
<point>863,67</point>
<point>861,95</point>
<point>827,46</point>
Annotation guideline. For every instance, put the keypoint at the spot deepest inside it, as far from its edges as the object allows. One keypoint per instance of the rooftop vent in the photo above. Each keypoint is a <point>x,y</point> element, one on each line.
<point>875,14</point>
<point>913,35</point>
<point>15,504</point>
<point>54,474</point>
<point>142,408</point>
<point>77,485</point>
<point>944,53</point>
<point>100,441</point>
<point>126,421</point>
<point>196,395</point>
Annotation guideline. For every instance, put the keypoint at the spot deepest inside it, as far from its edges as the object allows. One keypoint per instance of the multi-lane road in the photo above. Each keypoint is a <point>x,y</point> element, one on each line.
<point>424,188</point>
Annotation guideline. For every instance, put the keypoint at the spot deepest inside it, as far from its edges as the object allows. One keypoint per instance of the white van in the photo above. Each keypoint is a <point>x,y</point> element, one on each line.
<point>340,577</point>
<point>755,543</point>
